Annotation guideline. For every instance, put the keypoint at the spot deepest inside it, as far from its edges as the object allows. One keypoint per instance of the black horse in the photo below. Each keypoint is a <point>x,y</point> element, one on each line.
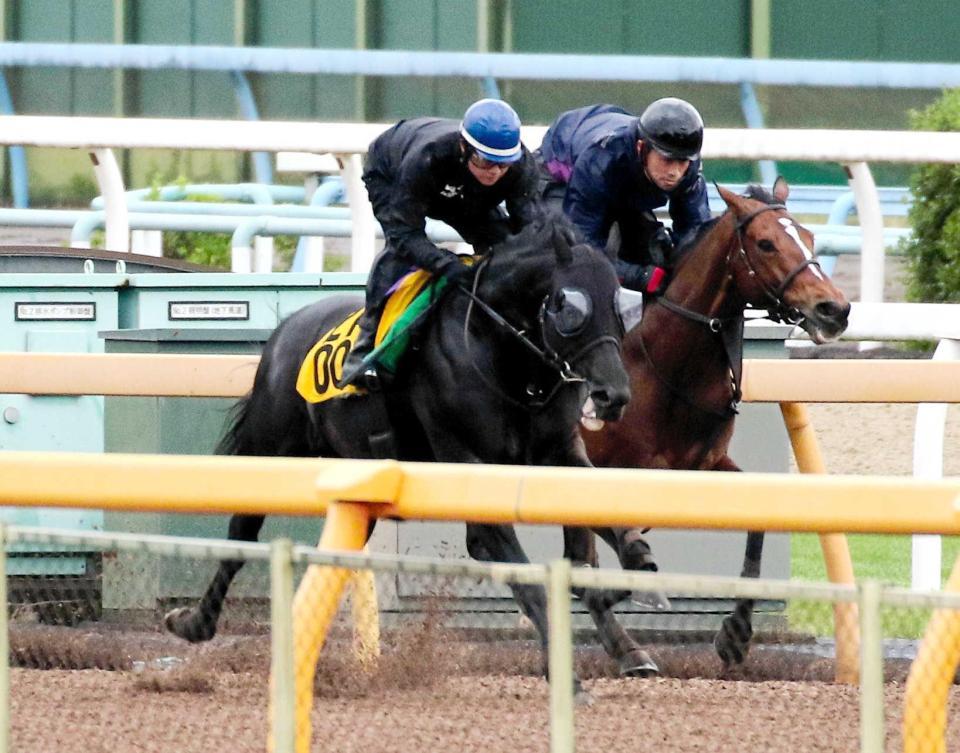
<point>501,374</point>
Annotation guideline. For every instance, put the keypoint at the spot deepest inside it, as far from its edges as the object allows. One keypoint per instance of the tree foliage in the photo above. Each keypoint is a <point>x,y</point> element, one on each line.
<point>933,251</point>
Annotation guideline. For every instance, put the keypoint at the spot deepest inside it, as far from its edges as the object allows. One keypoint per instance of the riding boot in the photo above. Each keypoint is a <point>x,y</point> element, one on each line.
<point>354,368</point>
<point>386,270</point>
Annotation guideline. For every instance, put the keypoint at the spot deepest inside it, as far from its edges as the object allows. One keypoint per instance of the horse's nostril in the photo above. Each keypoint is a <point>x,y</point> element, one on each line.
<point>610,398</point>
<point>831,311</point>
<point>601,398</point>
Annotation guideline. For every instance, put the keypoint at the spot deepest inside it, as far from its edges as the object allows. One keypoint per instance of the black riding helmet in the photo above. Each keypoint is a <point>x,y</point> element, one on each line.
<point>673,127</point>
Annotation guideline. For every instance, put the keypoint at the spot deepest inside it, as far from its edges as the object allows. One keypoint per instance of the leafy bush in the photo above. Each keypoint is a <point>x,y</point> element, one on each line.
<point>933,252</point>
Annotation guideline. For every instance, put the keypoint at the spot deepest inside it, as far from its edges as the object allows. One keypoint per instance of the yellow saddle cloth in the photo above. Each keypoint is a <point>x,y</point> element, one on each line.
<point>322,369</point>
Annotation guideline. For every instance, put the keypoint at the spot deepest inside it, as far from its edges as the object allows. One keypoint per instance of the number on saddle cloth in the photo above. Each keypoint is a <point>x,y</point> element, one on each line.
<point>407,307</point>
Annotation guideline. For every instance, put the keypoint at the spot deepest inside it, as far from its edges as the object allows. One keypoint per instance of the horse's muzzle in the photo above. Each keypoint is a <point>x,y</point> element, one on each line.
<point>608,402</point>
<point>827,321</point>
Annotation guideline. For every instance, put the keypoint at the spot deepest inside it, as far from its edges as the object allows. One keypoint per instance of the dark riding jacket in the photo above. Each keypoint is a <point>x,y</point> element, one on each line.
<point>416,169</point>
<point>593,151</point>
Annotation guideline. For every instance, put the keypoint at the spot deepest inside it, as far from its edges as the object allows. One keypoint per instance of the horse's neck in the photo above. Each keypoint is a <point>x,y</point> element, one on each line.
<point>702,281</point>
<point>701,284</point>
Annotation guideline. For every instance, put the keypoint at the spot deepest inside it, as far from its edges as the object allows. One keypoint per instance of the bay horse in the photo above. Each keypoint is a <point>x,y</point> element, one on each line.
<point>501,374</point>
<point>684,361</point>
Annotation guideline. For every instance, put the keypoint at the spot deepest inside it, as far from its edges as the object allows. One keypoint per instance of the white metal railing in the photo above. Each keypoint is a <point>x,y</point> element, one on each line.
<point>349,141</point>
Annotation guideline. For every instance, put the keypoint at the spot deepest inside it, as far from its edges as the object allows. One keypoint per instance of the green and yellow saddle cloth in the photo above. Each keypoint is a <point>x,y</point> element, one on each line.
<point>322,369</point>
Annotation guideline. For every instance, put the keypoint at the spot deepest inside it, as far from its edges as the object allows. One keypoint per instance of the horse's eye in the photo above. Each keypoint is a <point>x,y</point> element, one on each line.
<point>766,246</point>
<point>572,311</point>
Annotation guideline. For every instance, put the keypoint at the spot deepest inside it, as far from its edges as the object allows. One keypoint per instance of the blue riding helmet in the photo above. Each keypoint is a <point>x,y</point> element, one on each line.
<point>492,128</point>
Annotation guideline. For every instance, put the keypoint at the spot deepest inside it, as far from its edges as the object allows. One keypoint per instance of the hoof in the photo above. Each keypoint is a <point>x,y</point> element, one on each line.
<point>603,600</point>
<point>658,601</point>
<point>636,555</point>
<point>184,623</point>
<point>732,642</point>
<point>638,664</point>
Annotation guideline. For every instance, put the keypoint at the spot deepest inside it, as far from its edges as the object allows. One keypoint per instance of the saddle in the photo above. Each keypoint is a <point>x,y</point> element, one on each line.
<point>406,309</point>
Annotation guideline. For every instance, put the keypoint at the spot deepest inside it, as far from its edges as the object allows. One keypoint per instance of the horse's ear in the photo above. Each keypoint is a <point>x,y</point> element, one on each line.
<point>780,189</point>
<point>563,241</point>
<point>731,199</point>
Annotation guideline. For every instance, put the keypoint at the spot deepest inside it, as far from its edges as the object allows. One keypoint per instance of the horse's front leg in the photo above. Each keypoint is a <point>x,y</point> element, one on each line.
<point>631,659</point>
<point>496,543</point>
<point>199,623</point>
<point>579,547</point>
<point>634,553</point>
<point>732,641</point>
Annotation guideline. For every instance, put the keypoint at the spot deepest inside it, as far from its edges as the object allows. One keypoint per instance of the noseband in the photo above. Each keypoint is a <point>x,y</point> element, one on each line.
<point>547,355</point>
<point>780,312</point>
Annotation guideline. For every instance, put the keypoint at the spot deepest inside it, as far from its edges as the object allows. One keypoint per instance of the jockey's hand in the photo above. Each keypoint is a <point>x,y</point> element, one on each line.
<point>647,278</point>
<point>661,247</point>
<point>454,270</point>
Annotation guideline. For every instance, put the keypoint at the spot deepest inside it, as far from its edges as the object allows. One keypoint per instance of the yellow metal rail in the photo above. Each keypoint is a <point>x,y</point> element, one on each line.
<point>151,374</point>
<point>486,494</point>
<point>764,380</point>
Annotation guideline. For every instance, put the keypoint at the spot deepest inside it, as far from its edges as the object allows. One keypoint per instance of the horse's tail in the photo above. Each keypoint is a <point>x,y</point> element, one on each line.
<point>232,442</point>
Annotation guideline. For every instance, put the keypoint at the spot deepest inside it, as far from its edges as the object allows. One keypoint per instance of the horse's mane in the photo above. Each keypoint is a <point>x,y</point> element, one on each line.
<point>752,191</point>
<point>534,244</point>
<point>522,265</point>
<point>759,193</point>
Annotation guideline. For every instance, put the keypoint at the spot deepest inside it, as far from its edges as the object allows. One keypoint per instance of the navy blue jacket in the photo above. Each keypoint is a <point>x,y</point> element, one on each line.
<point>593,150</point>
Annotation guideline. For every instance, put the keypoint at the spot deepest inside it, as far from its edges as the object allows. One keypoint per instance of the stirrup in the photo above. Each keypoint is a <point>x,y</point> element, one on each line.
<point>359,373</point>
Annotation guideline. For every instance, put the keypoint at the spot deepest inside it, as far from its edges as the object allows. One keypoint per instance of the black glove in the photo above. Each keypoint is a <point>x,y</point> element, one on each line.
<point>661,247</point>
<point>454,270</point>
<point>647,278</point>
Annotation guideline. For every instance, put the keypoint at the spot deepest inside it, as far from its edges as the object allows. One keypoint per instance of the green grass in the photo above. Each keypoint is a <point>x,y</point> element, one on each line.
<point>877,557</point>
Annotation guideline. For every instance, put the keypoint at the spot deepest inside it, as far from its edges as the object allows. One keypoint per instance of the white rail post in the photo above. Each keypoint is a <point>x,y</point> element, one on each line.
<point>928,464</point>
<point>110,181</point>
<point>263,253</point>
<point>362,239</point>
<point>871,230</point>
<point>282,718</point>
<point>871,668</point>
<point>560,657</point>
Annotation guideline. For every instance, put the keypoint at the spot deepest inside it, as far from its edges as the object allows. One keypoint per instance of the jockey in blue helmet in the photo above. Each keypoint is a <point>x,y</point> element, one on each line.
<point>492,128</point>
<point>459,172</point>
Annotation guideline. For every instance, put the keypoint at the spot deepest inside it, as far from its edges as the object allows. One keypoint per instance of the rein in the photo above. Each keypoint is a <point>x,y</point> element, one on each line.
<point>547,355</point>
<point>732,339</point>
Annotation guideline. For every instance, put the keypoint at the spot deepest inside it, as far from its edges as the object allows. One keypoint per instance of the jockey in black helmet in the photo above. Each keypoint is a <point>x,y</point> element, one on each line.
<point>459,172</point>
<point>607,166</point>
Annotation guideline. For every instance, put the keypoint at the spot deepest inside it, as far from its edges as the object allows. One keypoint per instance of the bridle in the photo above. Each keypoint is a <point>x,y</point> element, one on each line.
<point>780,312</point>
<point>546,354</point>
<point>730,329</point>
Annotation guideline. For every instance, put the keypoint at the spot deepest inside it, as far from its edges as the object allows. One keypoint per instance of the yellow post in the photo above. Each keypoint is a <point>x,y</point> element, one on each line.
<point>836,552</point>
<point>931,675</point>
<point>316,602</point>
<point>366,617</point>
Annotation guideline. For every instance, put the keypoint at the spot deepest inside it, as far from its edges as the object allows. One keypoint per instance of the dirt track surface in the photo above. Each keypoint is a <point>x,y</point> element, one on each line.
<point>429,692</point>
<point>101,712</point>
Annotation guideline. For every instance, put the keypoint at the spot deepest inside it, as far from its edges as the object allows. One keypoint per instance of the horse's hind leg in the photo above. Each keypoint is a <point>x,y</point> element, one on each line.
<point>199,623</point>
<point>632,660</point>
<point>493,543</point>
<point>732,641</point>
